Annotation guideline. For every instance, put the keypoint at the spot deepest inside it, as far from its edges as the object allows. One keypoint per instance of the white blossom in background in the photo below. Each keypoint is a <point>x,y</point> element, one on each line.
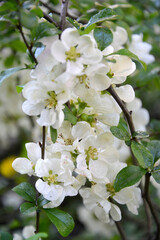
<point>141,49</point>
<point>27,232</point>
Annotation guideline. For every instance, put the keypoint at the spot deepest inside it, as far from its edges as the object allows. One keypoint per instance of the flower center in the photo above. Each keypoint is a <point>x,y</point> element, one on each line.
<point>51,179</point>
<point>72,54</point>
<point>51,102</point>
<point>91,153</point>
<point>110,188</point>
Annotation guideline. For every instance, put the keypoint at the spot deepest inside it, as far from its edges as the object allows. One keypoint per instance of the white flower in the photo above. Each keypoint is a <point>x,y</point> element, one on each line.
<point>126,93</point>
<point>76,50</point>
<point>120,37</point>
<point>140,115</point>
<point>27,166</point>
<point>141,49</point>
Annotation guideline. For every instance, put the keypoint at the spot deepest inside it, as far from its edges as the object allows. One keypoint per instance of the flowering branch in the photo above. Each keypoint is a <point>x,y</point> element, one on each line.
<point>146,197</point>
<point>63,13</point>
<point>120,229</point>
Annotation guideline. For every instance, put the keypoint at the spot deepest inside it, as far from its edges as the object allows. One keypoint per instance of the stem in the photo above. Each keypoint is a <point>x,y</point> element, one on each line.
<point>127,114</point>
<point>50,19</point>
<point>120,230</point>
<point>54,11</point>
<point>63,13</point>
<point>37,220</point>
<point>148,200</point>
<point>29,47</point>
<point>43,142</point>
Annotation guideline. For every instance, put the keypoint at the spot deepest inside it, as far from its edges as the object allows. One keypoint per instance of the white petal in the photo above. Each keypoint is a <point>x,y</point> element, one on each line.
<point>115,212</point>
<point>47,118</point>
<point>126,93</point>
<point>98,169</point>
<point>32,109</point>
<point>33,151</point>
<point>23,166</point>
<point>81,130</point>
<point>58,51</point>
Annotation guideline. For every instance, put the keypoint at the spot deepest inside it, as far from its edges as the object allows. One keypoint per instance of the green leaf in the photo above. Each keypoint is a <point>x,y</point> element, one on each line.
<point>19,88</point>
<point>126,52</point>
<point>41,201</point>
<point>28,19</point>
<point>53,133</point>
<point>140,134</point>
<point>26,190</point>
<point>121,131</point>
<point>62,220</point>
<point>103,15</point>
<point>155,125</point>
<point>154,148</point>
<point>81,28</point>
<point>38,236</point>
<point>44,29</point>
<point>5,236</point>
<point>156,174</point>
<point>128,176</point>
<point>103,37</point>
<point>27,208</point>
<point>68,115</point>
<point>142,154</point>
<point>7,73</point>
<point>38,12</point>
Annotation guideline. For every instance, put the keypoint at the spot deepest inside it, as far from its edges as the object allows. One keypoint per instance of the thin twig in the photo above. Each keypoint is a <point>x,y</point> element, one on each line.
<point>43,141</point>
<point>54,11</point>
<point>148,200</point>
<point>50,19</point>
<point>120,230</point>
<point>63,13</point>
<point>29,47</point>
<point>127,114</point>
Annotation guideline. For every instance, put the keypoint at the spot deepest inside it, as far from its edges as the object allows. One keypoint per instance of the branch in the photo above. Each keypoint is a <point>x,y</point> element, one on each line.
<point>63,13</point>
<point>127,114</point>
<point>148,200</point>
<point>54,11</point>
<point>29,47</point>
<point>50,19</point>
<point>120,230</point>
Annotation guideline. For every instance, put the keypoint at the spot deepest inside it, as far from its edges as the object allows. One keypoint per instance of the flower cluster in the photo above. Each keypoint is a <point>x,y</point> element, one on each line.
<point>68,93</point>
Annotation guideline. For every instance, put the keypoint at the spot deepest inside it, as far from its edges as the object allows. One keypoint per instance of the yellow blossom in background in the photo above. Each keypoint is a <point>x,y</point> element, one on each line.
<point>6,169</point>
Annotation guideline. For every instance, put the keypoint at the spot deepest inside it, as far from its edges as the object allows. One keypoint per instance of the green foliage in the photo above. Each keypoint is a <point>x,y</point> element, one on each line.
<point>140,134</point>
<point>38,236</point>
<point>7,73</point>
<point>27,208</point>
<point>156,174</point>
<point>121,131</point>
<point>62,220</point>
<point>19,88</point>
<point>68,115</point>
<point>154,148</point>
<point>5,236</point>
<point>53,133</point>
<point>103,37</point>
<point>128,176</point>
<point>103,15</point>
<point>142,154</point>
<point>41,201</point>
<point>26,191</point>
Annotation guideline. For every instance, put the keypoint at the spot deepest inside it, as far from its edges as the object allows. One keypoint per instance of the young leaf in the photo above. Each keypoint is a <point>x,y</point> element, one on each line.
<point>128,176</point>
<point>126,52</point>
<point>154,148</point>
<point>38,236</point>
<point>62,220</point>
<point>121,131</point>
<point>26,191</point>
<point>7,73</point>
<point>68,115</point>
<point>103,37</point>
<point>103,15</point>
<point>140,134</point>
<point>19,88</point>
<point>53,133</point>
<point>156,174</point>
<point>41,201</point>
<point>5,236</point>
<point>144,157</point>
<point>27,207</point>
